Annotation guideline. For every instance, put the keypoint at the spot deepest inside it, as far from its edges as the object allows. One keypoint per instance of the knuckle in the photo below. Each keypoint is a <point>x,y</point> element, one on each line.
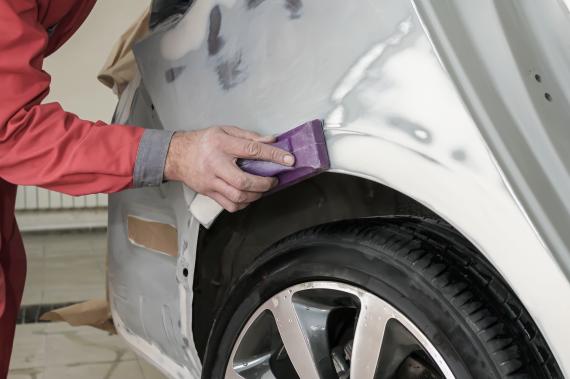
<point>264,184</point>
<point>261,185</point>
<point>213,136</point>
<point>239,197</point>
<point>276,155</point>
<point>232,208</point>
<point>215,129</point>
<point>210,131</point>
<point>253,149</point>
<point>243,182</point>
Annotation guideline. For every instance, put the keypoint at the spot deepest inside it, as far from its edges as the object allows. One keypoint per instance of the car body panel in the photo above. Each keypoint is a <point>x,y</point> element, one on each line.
<point>392,114</point>
<point>148,295</point>
<point>513,74</point>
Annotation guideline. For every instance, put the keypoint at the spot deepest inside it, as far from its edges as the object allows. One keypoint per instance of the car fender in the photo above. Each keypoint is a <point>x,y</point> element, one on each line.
<point>391,112</point>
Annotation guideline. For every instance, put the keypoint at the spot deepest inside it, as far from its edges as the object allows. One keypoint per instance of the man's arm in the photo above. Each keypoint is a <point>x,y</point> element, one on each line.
<point>42,144</point>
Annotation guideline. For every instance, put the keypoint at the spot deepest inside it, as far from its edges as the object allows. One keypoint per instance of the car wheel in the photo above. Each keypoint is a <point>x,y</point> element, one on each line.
<point>385,298</point>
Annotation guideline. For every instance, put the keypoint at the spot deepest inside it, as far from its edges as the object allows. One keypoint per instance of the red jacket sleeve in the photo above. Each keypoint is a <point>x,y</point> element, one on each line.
<point>41,144</point>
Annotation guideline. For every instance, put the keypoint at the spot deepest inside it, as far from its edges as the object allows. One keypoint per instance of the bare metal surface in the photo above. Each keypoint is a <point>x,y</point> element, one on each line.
<point>393,116</point>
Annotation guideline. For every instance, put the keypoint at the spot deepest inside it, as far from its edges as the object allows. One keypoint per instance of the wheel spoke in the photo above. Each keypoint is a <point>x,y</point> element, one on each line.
<point>320,330</point>
<point>294,338</point>
<point>232,374</point>
<point>368,338</point>
<point>258,367</point>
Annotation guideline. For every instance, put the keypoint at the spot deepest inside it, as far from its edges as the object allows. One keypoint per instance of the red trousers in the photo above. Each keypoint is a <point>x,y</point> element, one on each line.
<point>13,262</point>
<point>13,268</point>
<point>41,144</point>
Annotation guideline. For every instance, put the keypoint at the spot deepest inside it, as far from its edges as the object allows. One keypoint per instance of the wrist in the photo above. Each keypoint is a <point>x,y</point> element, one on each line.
<point>175,154</point>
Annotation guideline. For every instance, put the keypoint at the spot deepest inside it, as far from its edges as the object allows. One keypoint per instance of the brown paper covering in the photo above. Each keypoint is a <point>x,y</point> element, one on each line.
<point>95,313</point>
<point>121,67</point>
<point>152,235</point>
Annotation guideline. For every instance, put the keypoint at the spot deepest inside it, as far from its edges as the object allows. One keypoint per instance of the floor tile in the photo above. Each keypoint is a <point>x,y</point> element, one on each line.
<point>107,370</point>
<point>57,350</point>
<point>27,373</point>
<point>64,268</point>
<point>149,371</point>
<point>29,347</point>
<point>66,345</point>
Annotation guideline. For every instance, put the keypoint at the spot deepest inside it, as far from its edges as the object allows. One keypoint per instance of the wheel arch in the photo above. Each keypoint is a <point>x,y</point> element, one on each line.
<point>440,235</point>
<point>235,240</point>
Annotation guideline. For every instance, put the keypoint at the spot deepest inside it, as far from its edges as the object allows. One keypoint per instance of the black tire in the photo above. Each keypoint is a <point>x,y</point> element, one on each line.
<point>424,269</point>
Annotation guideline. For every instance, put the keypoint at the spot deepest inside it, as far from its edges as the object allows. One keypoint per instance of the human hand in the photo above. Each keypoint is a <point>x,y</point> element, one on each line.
<point>205,160</point>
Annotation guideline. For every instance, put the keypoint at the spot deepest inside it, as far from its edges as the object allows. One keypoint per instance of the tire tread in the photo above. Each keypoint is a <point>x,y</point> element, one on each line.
<point>439,254</point>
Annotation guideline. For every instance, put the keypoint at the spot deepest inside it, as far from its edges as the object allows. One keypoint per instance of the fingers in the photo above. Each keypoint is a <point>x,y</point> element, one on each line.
<point>231,198</point>
<point>235,195</point>
<point>246,134</point>
<point>205,160</point>
<point>247,144</point>
<point>243,181</point>
<point>266,139</point>
<point>226,203</point>
<point>242,148</point>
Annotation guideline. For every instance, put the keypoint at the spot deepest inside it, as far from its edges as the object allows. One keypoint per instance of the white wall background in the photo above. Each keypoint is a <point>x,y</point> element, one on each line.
<point>74,69</point>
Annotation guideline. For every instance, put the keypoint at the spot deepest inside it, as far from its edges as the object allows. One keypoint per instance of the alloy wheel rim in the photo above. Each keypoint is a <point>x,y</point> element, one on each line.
<point>330,330</point>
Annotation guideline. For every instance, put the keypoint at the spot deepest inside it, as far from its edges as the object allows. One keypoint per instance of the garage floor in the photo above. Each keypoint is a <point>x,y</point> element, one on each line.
<point>65,268</point>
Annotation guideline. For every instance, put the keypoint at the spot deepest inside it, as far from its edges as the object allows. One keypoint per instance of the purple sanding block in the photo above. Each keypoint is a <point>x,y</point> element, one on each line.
<point>307,143</point>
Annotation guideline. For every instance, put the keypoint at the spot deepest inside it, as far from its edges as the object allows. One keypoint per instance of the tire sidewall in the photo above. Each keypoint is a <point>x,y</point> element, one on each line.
<point>370,268</point>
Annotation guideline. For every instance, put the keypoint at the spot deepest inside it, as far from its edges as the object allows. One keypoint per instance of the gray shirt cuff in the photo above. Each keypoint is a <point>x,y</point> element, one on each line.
<point>151,157</point>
